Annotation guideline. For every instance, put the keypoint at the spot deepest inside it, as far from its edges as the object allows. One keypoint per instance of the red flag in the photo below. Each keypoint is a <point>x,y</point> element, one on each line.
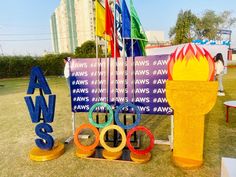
<point>109,29</point>
<point>117,48</point>
<point>109,20</point>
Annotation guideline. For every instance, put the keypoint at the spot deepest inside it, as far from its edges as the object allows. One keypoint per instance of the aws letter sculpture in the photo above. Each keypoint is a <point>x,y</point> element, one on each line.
<point>42,114</point>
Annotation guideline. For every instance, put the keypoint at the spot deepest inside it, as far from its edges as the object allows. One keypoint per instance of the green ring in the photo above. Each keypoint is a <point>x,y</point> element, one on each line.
<point>110,116</point>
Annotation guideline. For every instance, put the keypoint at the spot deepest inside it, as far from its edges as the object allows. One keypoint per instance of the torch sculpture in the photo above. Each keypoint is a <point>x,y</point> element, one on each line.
<point>192,93</point>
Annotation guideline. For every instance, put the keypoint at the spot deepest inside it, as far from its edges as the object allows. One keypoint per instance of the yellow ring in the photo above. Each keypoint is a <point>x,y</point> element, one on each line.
<point>123,138</point>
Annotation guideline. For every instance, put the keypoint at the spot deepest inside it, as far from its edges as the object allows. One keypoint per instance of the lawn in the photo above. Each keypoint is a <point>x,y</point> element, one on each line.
<point>17,138</point>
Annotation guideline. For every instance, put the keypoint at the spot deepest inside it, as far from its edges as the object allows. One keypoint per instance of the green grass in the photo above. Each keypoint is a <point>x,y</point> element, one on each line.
<point>17,138</point>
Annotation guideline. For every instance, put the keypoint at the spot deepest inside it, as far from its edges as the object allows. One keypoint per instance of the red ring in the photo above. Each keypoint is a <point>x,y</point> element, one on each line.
<point>148,132</point>
<point>76,139</point>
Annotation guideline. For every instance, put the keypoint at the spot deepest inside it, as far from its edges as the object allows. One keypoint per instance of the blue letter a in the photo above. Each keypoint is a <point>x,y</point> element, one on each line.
<point>40,105</point>
<point>37,80</point>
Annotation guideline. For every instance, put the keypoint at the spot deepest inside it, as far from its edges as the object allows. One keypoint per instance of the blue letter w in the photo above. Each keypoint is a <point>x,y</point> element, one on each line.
<point>41,106</point>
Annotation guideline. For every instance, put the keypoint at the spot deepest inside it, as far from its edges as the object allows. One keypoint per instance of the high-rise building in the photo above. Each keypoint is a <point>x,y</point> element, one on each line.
<point>72,23</point>
<point>85,20</point>
<point>53,24</point>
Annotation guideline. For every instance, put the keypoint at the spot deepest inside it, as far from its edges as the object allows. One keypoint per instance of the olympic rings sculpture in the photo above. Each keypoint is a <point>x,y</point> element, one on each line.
<point>125,140</point>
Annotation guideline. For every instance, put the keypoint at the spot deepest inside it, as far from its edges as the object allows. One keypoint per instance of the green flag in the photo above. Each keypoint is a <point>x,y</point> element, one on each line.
<point>137,31</point>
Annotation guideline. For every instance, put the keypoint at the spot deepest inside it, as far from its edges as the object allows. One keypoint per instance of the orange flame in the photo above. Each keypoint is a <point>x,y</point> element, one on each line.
<point>191,63</point>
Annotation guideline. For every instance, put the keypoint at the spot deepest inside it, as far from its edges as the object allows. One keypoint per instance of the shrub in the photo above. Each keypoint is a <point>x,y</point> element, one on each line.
<point>20,66</point>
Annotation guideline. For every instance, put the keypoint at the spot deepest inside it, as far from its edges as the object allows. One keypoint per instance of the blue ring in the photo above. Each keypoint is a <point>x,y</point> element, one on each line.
<point>117,119</point>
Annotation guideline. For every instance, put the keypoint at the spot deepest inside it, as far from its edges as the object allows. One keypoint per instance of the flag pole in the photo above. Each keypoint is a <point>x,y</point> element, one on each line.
<point>132,47</point>
<point>132,54</point>
<point>106,69</point>
<point>96,47</point>
<point>114,32</point>
<point>97,50</point>
<point>115,57</point>
<point>125,80</point>
<point>116,69</point>
<point>107,82</point>
<point>97,116</point>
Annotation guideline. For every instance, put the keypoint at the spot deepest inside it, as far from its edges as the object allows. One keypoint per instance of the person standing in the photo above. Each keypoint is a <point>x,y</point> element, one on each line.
<point>67,71</point>
<point>219,72</point>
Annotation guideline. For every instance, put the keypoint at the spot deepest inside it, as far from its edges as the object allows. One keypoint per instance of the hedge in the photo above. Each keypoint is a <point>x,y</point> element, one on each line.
<point>20,66</point>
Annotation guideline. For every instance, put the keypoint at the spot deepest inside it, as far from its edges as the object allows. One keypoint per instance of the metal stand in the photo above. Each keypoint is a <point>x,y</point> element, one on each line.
<point>170,137</point>
<point>69,139</point>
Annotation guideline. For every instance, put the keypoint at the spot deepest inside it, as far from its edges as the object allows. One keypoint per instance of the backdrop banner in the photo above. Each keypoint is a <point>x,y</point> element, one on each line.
<point>93,82</point>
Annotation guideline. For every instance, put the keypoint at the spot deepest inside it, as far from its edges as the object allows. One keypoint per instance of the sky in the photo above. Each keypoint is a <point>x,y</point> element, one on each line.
<point>25,24</point>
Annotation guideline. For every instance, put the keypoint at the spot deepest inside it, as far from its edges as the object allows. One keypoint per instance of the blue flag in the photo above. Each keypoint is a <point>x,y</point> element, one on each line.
<point>126,30</point>
<point>126,33</point>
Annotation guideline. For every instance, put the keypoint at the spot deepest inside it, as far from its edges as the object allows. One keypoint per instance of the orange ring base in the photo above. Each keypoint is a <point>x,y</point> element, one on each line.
<point>111,155</point>
<point>83,154</point>
<point>40,155</point>
<point>140,158</point>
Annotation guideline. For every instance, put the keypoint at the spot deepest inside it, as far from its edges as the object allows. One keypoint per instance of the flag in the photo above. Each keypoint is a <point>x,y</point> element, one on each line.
<point>109,22</point>
<point>137,31</point>
<point>101,23</point>
<point>100,20</point>
<point>118,20</point>
<point>109,29</point>
<point>126,30</point>
<point>126,33</point>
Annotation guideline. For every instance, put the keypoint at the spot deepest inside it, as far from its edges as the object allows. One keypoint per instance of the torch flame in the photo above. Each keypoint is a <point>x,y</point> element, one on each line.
<point>191,63</point>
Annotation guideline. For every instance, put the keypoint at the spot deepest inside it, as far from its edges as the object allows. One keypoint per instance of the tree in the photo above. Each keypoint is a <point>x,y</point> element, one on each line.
<point>182,31</point>
<point>208,26</point>
<point>228,20</point>
<point>88,50</point>
<point>189,26</point>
